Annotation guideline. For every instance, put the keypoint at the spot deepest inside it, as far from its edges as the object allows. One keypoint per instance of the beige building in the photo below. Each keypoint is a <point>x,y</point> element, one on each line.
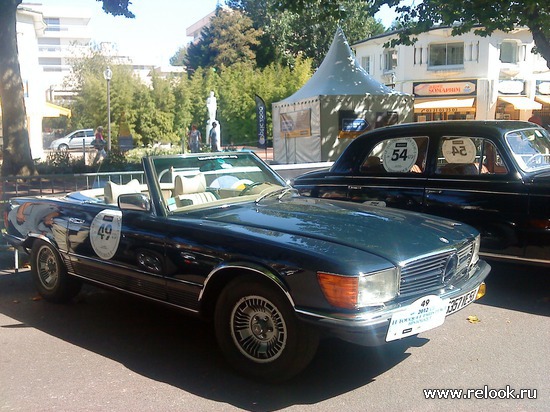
<point>463,77</point>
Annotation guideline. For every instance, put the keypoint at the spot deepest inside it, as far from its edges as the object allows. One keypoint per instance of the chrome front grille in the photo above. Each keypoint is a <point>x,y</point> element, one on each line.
<point>429,272</point>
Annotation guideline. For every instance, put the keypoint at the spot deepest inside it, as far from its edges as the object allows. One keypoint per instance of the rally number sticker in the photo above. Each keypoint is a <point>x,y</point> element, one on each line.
<point>400,155</point>
<point>424,314</point>
<point>459,150</point>
<point>105,232</point>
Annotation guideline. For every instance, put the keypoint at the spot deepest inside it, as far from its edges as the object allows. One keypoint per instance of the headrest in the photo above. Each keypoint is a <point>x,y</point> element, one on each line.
<point>187,185</point>
<point>112,191</point>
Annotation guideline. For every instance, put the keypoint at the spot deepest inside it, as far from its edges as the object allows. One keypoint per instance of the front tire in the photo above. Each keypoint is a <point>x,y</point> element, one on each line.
<point>50,274</point>
<point>258,332</point>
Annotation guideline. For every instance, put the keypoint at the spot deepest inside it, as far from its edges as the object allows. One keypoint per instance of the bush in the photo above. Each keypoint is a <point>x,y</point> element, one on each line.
<point>63,162</point>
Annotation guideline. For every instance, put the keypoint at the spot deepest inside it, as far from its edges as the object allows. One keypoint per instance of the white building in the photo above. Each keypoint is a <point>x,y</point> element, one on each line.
<point>195,30</point>
<point>463,77</point>
<point>66,36</point>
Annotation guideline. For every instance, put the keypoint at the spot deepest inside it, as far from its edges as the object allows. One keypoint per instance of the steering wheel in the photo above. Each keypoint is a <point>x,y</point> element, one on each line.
<point>532,159</point>
<point>248,187</point>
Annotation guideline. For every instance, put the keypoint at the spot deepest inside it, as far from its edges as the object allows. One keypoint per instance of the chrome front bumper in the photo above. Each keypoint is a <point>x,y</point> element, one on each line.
<point>369,327</point>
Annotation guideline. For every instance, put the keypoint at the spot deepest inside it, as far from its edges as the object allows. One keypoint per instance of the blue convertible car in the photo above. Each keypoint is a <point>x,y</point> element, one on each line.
<point>223,237</point>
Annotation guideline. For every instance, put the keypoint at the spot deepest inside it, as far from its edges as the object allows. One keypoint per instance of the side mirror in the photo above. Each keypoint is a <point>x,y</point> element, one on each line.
<point>134,201</point>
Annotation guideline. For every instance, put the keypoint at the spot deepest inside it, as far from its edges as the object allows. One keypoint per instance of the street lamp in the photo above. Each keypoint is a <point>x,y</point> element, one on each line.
<point>108,75</point>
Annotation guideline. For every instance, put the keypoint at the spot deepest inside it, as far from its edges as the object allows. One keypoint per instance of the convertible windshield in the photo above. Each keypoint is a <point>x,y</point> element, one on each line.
<point>530,148</point>
<point>211,179</point>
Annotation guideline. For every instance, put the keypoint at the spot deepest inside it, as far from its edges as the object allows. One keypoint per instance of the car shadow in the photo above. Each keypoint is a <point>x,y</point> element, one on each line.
<point>166,346</point>
<point>518,287</point>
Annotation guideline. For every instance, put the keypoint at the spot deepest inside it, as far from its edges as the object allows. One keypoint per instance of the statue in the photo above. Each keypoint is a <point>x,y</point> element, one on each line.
<point>212,106</point>
<point>213,129</point>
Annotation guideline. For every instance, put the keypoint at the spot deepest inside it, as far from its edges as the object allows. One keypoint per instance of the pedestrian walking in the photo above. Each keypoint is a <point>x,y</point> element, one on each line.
<point>99,145</point>
<point>195,139</point>
<point>214,138</point>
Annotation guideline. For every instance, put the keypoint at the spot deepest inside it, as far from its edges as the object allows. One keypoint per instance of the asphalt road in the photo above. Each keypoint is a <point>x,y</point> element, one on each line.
<point>108,352</point>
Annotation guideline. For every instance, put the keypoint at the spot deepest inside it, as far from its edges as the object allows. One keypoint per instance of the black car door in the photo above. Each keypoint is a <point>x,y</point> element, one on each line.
<point>122,249</point>
<point>471,182</point>
<point>392,173</point>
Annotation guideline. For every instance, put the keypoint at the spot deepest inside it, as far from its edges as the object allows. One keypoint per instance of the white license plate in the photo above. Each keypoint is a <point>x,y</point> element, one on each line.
<point>426,313</point>
<point>459,302</point>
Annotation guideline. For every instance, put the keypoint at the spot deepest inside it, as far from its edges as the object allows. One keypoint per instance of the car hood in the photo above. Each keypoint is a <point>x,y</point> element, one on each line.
<point>390,233</point>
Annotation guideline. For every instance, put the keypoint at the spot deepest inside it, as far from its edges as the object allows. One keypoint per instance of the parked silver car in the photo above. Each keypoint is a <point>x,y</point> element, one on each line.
<point>74,140</point>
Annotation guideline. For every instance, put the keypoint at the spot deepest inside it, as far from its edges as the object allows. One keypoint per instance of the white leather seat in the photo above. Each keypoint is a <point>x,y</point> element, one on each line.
<point>191,190</point>
<point>112,191</point>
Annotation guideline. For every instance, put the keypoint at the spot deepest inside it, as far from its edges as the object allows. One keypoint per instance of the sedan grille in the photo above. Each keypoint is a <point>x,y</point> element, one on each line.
<point>435,271</point>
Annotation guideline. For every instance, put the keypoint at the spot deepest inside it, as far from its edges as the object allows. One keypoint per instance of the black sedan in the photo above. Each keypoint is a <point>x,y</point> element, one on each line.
<point>493,175</point>
<point>223,237</point>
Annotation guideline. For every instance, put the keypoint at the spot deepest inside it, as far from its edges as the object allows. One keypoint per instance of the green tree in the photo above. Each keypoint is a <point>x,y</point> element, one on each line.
<point>306,32</point>
<point>484,17</point>
<point>17,159</point>
<point>237,86</point>
<point>178,59</point>
<point>229,38</point>
<point>183,118</point>
<point>90,106</point>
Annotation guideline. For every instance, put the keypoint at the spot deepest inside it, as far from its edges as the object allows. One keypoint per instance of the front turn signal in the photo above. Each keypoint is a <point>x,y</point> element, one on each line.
<point>481,291</point>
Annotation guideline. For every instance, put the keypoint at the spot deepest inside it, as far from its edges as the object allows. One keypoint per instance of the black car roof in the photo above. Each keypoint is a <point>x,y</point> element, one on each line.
<point>501,125</point>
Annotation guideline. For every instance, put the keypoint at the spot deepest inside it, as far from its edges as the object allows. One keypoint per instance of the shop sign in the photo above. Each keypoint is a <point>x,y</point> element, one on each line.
<point>510,87</point>
<point>543,87</point>
<point>444,89</point>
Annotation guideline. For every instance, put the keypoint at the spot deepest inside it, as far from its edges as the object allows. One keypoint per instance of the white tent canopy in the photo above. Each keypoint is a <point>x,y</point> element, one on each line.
<point>340,101</point>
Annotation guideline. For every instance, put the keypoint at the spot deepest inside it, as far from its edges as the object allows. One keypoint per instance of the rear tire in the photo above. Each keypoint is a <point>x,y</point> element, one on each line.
<point>258,331</point>
<point>50,274</point>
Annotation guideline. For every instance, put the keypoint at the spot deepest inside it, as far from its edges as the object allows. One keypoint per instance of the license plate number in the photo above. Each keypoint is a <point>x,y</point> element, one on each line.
<point>461,301</point>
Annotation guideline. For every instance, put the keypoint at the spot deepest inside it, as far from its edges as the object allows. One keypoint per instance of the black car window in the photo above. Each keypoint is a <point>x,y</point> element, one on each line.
<point>530,148</point>
<point>468,156</point>
<point>397,155</point>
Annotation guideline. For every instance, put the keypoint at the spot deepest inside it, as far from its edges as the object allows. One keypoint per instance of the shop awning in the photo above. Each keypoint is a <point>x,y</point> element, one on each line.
<point>444,103</point>
<point>52,110</point>
<point>543,99</point>
<point>521,103</point>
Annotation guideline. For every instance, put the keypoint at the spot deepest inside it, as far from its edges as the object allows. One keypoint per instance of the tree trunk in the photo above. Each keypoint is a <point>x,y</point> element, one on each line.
<point>542,43</point>
<point>17,159</point>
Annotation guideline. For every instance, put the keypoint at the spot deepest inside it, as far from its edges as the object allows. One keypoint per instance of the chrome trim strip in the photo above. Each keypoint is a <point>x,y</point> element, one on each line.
<point>109,286</point>
<point>513,258</point>
<point>440,189</point>
<point>264,272</point>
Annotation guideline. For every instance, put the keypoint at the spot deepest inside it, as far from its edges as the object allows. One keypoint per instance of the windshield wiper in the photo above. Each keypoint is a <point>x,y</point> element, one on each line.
<point>280,193</point>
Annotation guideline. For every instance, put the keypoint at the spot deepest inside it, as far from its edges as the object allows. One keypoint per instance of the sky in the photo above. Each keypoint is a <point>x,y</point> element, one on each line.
<point>157,31</point>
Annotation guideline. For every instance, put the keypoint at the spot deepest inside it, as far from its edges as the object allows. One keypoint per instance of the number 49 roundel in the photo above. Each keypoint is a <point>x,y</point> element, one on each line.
<point>105,233</point>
